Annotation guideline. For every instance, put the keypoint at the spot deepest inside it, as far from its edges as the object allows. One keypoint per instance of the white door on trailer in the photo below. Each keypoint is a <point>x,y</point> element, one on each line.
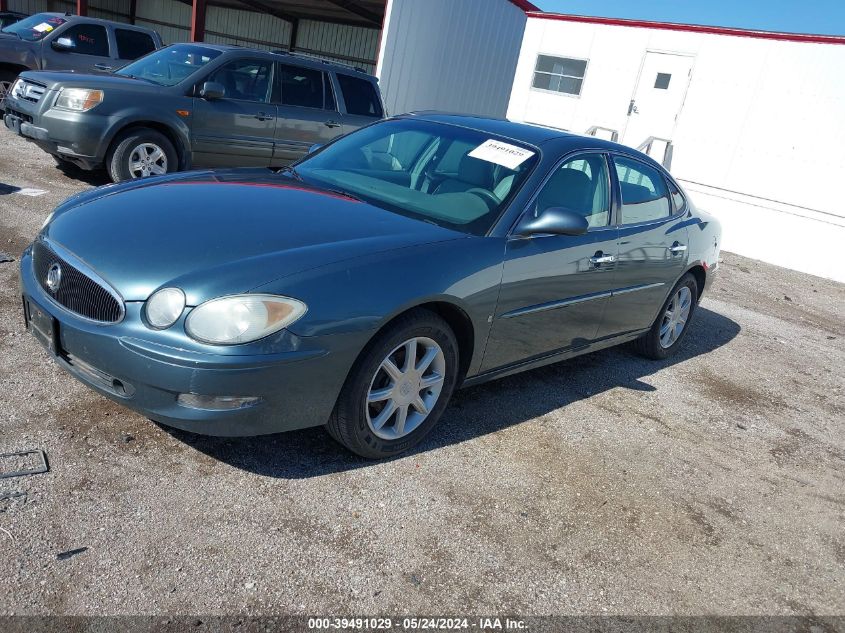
<point>658,98</point>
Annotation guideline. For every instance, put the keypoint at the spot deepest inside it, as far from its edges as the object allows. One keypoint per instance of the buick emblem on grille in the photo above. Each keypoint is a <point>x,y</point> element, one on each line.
<point>54,277</point>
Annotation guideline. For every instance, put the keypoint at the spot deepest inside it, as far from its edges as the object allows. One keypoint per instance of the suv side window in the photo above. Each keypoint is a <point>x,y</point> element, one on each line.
<point>88,39</point>
<point>644,194</point>
<point>301,86</point>
<point>360,96</point>
<point>245,79</point>
<point>581,184</point>
<point>133,44</point>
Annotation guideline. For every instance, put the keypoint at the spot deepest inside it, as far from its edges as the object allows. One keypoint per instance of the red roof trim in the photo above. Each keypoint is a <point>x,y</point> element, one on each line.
<point>694,28</point>
<point>526,6</point>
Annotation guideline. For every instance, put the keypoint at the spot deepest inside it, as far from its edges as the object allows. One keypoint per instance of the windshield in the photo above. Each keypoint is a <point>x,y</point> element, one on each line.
<point>170,65</point>
<point>35,26</point>
<point>444,174</point>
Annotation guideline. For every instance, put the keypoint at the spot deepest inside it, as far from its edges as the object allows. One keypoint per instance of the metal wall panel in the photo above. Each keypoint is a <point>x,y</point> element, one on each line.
<point>448,55</point>
<point>117,10</point>
<point>175,16</point>
<point>353,45</point>
<point>246,28</point>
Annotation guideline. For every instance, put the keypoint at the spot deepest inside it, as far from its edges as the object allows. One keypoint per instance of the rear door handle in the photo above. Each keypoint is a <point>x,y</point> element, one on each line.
<point>332,124</point>
<point>263,116</point>
<point>599,259</point>
<point>678,248</point>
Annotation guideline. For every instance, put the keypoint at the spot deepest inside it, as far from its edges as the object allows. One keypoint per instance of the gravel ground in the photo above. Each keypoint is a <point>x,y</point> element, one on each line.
<point>712,483</point>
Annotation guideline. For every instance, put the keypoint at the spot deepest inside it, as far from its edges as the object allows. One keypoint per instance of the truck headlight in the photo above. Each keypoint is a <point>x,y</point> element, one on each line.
<point>78,99</point>
<point>242,318</point>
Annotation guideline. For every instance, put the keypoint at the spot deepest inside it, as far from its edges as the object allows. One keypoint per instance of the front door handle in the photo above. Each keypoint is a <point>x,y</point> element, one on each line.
<point>331,123</point>
<point>677,248</point>
<point>263,116</point>
<point>101,66</point>
<point>599,258</point>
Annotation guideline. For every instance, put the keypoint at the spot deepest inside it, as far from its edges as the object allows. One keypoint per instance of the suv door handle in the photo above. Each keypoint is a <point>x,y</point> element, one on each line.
<point>598,259</point>
<point>678,248</point>
<point>263,116</point>
<point>331,123</point>
<point>101,66</point>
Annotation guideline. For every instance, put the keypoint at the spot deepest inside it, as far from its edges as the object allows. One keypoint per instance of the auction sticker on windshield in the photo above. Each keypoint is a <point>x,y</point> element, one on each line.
<point>503,154</point>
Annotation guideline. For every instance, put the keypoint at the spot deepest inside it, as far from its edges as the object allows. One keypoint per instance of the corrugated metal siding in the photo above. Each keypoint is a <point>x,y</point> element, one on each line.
<point>447,55</point>
<point>354,45</point>
<point>177,16</point>
<point>246,28</point>
<point>117,10</point>
<point>39,6</point>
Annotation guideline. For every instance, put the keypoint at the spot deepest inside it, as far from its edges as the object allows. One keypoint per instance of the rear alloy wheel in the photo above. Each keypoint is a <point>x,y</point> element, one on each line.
<point>139,154</point>
<point>398,388</point>
<point>671,324</point>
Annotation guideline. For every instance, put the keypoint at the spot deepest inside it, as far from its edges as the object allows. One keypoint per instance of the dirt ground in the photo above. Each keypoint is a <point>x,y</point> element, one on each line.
<point>713,483</point>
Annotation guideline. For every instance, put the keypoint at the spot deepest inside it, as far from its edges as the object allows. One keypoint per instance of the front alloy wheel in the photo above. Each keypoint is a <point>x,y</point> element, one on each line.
<point>398,388</point>
<point>405,388</point>
<point>147,159</point>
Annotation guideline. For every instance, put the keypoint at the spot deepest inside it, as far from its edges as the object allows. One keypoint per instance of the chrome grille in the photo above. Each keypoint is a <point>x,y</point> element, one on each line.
<point>76,291</point>
<point>28,90</point>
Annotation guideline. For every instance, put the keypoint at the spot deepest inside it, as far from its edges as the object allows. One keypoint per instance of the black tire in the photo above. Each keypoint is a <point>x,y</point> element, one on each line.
<point>649,344</point>
<point>7,78</point>
<point>348,423</point>
<point>117,159</point>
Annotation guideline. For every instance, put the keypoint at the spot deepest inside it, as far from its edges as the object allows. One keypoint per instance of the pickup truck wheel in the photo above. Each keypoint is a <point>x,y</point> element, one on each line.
<point>140,153</point>
<point>7,78</point>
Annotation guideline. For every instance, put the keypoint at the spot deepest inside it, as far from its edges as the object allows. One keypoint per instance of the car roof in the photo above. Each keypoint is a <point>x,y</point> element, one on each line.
<point>531,133</point>
<point>309,61</point>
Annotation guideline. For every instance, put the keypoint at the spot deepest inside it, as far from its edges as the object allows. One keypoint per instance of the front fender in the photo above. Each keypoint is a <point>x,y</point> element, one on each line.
<point>123,119</point>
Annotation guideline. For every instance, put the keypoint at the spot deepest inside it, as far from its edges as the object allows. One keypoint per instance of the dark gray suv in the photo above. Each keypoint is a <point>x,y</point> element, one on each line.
<point>192,105</point>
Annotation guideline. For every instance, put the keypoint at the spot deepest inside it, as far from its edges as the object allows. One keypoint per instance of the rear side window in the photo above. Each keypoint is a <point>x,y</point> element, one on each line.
<point>360,96</point>
<point>88,39</point>
<point>133,44</point>
<point>677,198</point>
<point>302,86</point>
<point>644,193</point>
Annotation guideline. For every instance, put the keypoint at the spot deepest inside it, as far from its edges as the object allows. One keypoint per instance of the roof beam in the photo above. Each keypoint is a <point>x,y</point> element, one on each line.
<point>361,12</point>
<point>263,8</point>
<point>198,20</point>
<point>81,7</point>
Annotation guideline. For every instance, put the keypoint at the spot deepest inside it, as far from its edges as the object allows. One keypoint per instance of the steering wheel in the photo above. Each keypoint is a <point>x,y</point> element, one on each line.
<point>489,197</point>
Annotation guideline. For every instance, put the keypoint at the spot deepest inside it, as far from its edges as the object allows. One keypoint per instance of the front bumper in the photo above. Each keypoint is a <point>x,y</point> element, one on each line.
<point>79,137</point>
<point>298,384</point>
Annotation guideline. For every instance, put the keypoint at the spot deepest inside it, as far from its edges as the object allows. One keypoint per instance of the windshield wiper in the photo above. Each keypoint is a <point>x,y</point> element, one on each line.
<point>287,169</point>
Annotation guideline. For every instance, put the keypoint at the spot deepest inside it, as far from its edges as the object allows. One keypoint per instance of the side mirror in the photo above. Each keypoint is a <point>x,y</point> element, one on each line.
<point>553,221</point>
<point>63,44</point>
<point>314,147</point>
<point>212,90</point>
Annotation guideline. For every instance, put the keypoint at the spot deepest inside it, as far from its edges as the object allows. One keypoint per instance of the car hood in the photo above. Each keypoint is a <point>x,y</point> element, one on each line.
<point>104,81</point>
<point>218,233</point>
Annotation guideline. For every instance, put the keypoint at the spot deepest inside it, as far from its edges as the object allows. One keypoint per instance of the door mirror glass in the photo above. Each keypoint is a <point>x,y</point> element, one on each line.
<point>212,90</point>
<point>553,221</point>
<point>63,44</point>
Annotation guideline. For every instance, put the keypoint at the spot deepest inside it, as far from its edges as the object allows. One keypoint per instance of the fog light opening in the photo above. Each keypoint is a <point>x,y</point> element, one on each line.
<point>216,403</point>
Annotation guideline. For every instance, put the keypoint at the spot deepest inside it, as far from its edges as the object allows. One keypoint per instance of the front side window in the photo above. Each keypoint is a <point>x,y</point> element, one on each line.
<point>88,39</point>
<point>245,79</point>
<point>170,65</point>
<point>559,74</point>
<point>133,44</point>
<point>35,27</point>
<point>444,174</point>
<point>644,194</point>
<point>302,86</point>
<point>581,185</point>
<point>360,96</point>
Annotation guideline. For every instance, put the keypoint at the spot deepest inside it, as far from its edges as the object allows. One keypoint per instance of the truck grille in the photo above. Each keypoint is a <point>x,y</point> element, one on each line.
<point>77,291</point>
<point>28,90</point>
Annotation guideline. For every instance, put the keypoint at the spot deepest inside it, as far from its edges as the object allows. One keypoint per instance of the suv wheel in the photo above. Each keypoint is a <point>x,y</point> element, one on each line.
<point>7,78</point>
<point>140,153</point>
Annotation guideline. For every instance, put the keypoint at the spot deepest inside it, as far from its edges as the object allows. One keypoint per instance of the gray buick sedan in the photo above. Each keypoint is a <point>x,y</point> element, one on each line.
<point>359,288</point>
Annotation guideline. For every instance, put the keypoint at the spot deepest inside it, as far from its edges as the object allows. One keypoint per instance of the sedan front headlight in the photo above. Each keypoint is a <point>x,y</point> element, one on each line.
<point>242,318</point>
<point>78,99</point>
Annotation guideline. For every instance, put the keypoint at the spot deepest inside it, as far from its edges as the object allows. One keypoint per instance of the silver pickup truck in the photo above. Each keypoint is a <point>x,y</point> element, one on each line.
<point>57,41</point>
